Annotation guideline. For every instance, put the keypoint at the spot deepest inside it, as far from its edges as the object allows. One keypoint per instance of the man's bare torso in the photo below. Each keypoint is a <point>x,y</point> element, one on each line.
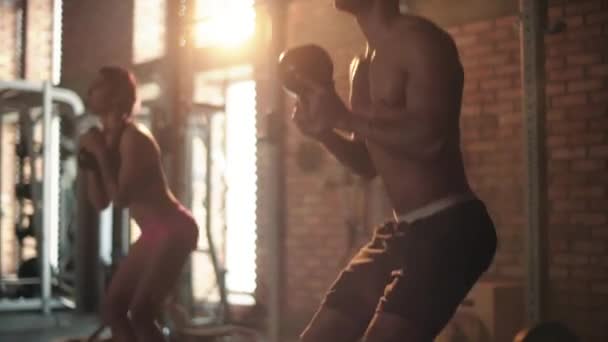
<point>435,76</point>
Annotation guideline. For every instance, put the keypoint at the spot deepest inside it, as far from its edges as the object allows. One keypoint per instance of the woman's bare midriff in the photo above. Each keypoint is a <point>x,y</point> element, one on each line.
<point>153,204</point>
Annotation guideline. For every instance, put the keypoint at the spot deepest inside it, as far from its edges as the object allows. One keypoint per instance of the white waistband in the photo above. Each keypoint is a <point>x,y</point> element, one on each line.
<point>433,207</point>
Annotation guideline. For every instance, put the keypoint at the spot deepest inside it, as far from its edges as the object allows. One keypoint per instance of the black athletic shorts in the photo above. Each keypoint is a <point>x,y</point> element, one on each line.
<point>420,271</point>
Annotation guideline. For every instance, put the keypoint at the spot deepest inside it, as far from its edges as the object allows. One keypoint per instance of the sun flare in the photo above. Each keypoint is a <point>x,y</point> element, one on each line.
<point>226,23</point>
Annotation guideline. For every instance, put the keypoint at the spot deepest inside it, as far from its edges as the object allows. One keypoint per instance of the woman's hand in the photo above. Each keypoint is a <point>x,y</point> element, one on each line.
<point>92,141</point>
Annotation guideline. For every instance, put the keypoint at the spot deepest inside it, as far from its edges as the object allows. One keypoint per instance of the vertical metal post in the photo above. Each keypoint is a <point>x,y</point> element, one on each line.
<point>56,42</point>
<point>1,194</point>
<point>533,17</point>
<point>43,239</point>
<point>276,169</point>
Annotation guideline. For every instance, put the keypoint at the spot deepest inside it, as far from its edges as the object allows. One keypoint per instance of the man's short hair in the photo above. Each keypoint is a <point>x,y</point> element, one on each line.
<point>121,85</point>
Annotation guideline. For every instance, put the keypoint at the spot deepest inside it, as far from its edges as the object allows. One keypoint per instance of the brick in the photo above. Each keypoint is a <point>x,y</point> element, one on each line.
<point>584,86</point>
<point>477,27</point>
<point>599,233</point>
<point>587,34</point>
<point>481,72</point>
<point>500,35</point>
<point>567,205</point>
<point>567,153</point>
<point>588,165</point>
<point>600,70</point>
<point>565,48</point>
<point>598,151</point>
<point>509,69</point>
<point>570,259</point>
<point>596,18</point>
<point>508,94</point>
<point>498,83</point>
<point>557,141</point>
<point>471,110</point>
<point>499,59</point>
<point>508,46</point>
<point>582,7</point>
<point>584,59</point>
<point>507,22</point>
<point>588,247</point>
<point>571,73</point>
<point>477,50</point>
<point>587,192</point>
<point>463,41</point>
<point>555,62</point>
<point>599,288</point>
<point>478,146</point>
<point>555,88</point>
<point>587,138</point>
<point>555,12</point>
<point>566,127</point>
<point>599,97</point>
<point>569,100</point>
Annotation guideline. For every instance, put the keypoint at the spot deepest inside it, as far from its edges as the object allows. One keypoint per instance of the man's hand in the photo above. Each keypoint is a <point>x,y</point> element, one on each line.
<point>92,141</point>
<point>323,103</point>
<point>310,124</point>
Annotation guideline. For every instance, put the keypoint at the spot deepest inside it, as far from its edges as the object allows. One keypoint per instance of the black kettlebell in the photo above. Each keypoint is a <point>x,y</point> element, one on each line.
<point>310,61</point>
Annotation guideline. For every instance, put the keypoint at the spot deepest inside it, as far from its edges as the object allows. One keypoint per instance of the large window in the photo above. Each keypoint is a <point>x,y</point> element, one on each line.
<point>149,30</point>
<point>230,199</point>
<point>226,23</point>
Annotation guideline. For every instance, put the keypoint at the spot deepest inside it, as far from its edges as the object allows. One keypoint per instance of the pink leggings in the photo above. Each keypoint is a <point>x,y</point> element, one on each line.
<point>149,273</point>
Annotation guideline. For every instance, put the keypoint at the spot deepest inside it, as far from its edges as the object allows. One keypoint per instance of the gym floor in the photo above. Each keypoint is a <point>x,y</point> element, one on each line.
<point>35,327</point>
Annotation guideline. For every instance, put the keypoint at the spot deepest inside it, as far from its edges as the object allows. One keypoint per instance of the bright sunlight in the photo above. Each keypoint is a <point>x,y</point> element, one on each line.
<point>224,23</point>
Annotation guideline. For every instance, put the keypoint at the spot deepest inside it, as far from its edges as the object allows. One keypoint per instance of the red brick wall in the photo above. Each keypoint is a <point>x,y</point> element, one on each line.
<point>491,126</point>
<point>315,237</point>
<point>38,67</point>
<point>492,140</point>
<point>577,122</point>
<point>39,40</point>
<point>8,62</point>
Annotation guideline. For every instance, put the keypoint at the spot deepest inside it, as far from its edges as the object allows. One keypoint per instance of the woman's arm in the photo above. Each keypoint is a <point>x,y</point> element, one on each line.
<point>127,170</point>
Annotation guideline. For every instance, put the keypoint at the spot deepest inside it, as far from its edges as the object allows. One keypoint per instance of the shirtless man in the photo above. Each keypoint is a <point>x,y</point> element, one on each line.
<point>128,173</point>
<point>405,101</point>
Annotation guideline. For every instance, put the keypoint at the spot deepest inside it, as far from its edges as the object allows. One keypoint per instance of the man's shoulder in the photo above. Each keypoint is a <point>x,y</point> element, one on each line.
<point>419,30</point>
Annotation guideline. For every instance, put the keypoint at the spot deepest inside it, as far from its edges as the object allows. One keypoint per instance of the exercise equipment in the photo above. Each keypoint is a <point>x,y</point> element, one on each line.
<point>310,61</point>
<point>42,208</point>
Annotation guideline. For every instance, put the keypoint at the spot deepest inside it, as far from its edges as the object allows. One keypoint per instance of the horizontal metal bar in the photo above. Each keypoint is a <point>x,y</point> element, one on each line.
<point>58,94</point>
<point>20,281</point>
<point>28,304</point>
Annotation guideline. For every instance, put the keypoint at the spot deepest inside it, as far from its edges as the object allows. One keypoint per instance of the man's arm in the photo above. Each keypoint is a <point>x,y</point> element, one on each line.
<point>351,153</point>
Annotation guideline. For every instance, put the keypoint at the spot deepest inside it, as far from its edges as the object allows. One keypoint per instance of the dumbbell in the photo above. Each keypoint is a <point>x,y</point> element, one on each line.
<point>310,61</point>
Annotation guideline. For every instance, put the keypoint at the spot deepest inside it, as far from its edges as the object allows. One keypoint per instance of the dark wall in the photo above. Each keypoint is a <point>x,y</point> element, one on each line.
<point>95,33</point>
